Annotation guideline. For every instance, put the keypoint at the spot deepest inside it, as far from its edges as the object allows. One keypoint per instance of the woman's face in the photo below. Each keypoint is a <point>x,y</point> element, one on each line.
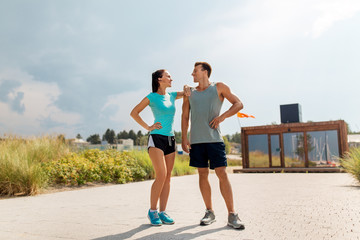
<point>166,79</point>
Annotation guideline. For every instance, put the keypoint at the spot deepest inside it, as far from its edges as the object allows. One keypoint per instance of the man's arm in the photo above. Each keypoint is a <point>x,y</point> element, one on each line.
<point>185,124</point>
<point>225,92</point>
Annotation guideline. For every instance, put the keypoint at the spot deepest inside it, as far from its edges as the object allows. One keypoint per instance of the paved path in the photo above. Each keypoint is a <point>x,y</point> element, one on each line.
<point>273,206</point>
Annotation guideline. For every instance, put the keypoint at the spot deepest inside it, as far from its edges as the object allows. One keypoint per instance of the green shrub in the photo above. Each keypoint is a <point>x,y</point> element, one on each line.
<point>95,166</point>
<point>27,165</point>
<point>144,161</point>
<point>351,162</point>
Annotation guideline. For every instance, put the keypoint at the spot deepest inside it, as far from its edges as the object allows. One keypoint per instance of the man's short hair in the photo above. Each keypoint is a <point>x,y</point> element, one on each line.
<point>204,66</point>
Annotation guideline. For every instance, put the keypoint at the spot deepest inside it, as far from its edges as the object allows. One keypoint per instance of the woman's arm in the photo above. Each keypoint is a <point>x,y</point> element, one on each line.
<point>185,92</point>
<point>135,114</point>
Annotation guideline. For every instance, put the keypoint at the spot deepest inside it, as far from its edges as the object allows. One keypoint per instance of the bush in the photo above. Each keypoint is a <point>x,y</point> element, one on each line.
<point>95,166</point>
<point>27,165</point>
<point>351,162</point>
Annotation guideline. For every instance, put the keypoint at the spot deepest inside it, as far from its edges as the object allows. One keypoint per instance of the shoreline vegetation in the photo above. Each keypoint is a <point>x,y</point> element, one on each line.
<point>46,164</point>
<point>351,163</point>
<point>49,164</point>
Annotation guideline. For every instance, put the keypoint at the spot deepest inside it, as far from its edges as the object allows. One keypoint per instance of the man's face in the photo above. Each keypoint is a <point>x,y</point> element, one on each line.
<point>198,73</point>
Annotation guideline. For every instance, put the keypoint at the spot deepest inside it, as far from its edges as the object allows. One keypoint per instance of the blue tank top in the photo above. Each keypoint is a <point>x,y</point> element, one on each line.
<point>163,109</point>
<point>204,107</point>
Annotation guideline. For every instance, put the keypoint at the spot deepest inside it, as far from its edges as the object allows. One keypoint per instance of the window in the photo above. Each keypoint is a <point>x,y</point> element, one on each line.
<point>258,151</point>
<point>323,148</point>
<point>294,149</point>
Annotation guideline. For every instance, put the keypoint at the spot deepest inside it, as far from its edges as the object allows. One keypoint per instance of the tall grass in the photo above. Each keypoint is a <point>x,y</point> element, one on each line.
<point>27,165</point>
<point>351,162</point>
<point>20,163</point>
<point>181,164</point>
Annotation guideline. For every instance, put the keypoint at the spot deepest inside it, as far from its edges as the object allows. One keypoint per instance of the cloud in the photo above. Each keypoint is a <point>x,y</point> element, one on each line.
<point>118,107</point>
<point>27,105</point>
<point>10,96</point>
<point>332,12</point>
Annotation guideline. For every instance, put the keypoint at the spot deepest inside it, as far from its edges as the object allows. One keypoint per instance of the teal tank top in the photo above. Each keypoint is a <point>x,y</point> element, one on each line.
<point>163,109</point>
<point>204,107</point>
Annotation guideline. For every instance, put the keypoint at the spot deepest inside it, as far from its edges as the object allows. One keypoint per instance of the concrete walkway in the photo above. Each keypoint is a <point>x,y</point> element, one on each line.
<point>273,206</point>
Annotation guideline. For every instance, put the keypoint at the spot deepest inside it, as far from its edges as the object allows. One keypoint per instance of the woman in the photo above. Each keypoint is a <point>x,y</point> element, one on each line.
<point>161,145</point>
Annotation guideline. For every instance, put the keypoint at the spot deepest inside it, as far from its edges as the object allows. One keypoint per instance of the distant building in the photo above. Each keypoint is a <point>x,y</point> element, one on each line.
<point>354,140</point>
<point>294,145</point>
<point>125,144</point>
<point>79,143</point>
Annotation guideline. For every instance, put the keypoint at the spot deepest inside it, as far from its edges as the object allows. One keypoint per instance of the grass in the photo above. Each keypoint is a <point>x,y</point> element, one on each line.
<point>30,165</point>
<point>20,163</point>
<point>351,163</point>
<point>181,165</point>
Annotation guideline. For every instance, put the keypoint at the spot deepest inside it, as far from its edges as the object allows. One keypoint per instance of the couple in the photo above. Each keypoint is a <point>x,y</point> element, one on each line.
<point>206,144</point>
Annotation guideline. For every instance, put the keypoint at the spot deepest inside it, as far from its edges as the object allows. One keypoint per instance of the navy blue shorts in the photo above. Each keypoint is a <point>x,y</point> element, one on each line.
<point>164,143</point>
<point>202,153</point>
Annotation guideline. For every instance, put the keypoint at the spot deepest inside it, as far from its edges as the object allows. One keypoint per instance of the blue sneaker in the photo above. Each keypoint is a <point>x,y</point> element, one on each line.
<point>165,219</point>
<point>154,218</point>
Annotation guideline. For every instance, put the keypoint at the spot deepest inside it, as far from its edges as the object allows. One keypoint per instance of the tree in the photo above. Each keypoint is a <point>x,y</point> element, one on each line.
<point>177,137</point>
<point>109,136</point>
<point>138,137</point>
<point>139,134</point>
<point>61,138</point>
<point>94,139</point>
<point>228,137</point>
<point>122,135</point>
<point>300,150</point>
<point>78,136</point>
<point>227,145</point>
<point>143,141</point>
<point>132,135</point>
<point>236,138</point>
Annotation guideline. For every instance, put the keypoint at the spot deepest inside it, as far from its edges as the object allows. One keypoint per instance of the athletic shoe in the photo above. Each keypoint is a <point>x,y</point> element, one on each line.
<point>235,222</point>
<point>154,218</point>
<point>165,219</point>
<point>209,218</point>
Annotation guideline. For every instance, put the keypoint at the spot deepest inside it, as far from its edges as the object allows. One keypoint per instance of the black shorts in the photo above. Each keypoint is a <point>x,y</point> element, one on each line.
<point>164,143</point>
<point>201,153</point>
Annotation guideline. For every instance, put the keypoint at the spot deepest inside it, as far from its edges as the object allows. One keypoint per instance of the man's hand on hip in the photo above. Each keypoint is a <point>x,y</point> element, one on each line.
<point>216,122</point>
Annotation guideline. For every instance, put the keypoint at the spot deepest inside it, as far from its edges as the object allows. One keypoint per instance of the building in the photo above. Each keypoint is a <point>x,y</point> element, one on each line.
<point>354,140</point>
<point>294,145</point>
<point>125,144</point>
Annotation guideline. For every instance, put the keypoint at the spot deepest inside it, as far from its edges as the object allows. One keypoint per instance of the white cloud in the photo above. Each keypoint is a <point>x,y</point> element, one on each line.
<point>40,112</point>
<point>118,107</point>
<point>332,12</point>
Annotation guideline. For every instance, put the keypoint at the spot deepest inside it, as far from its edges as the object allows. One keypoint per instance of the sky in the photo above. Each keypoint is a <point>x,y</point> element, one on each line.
<point>79,67</point>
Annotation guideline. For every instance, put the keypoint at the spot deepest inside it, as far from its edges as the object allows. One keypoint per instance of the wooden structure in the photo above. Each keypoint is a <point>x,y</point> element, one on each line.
<point>294,145</point>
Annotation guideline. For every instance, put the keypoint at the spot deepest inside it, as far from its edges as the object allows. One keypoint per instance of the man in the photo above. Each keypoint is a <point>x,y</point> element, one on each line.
<point>206,143</point>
